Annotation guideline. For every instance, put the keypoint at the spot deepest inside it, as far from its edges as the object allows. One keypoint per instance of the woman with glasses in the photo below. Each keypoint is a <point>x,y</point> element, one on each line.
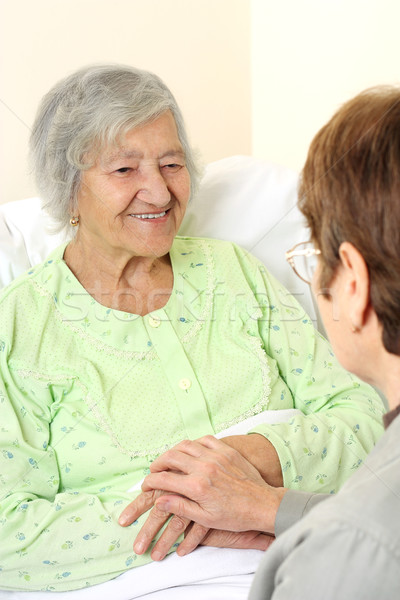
<point>348,546</point>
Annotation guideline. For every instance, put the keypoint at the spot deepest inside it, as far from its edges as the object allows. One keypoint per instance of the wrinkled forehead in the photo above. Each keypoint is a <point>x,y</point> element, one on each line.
<point>158,136</point>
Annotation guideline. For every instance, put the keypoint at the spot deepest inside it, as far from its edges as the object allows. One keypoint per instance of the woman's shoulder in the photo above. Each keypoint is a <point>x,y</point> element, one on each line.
<point>22,284</point>
<point>225,261</point>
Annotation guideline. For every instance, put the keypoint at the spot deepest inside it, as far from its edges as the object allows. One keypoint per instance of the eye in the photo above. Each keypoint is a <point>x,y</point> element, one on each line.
<point>123,170</point>
<point>172,167</point>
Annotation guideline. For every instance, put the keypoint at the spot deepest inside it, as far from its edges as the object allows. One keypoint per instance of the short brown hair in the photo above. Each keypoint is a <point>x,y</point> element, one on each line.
<point>350,191</point>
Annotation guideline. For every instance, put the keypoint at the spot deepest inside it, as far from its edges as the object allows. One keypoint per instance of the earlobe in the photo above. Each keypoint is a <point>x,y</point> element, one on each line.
<point>356,286</point>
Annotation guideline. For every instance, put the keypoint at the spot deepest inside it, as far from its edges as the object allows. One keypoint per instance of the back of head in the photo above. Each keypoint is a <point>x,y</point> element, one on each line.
<point>88,110</point>
<point>350,191</point>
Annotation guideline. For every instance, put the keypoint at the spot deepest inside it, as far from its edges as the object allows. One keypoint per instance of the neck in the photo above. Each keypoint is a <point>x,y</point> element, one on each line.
<point>133,284</point>
<point>387,377</point>
<point>372,362</point>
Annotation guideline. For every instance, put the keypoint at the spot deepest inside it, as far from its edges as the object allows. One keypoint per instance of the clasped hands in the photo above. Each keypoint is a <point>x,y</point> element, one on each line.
<point>213,491</point>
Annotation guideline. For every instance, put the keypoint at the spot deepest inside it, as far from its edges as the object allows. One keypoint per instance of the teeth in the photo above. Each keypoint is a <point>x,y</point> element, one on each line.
<point>150,215</point>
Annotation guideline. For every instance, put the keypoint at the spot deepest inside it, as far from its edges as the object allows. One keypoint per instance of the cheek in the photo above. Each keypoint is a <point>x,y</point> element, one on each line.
<point>325,310</point>
<point>90,192</point>
<point>181,194</point>
<point>326,302</point>
<point>316,278</point>
<point>182,187</point>
<point>335,323</point>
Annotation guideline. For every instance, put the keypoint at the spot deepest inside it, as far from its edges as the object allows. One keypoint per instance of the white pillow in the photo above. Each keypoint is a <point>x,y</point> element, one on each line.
<point>251,202</point>
<point>24,240</point>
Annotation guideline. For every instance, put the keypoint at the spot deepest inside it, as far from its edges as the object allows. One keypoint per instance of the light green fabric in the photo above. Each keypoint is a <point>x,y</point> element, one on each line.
<point>90,396</point>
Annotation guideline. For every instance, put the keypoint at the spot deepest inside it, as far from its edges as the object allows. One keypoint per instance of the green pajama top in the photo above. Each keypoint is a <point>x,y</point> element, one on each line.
<point>89,396</point>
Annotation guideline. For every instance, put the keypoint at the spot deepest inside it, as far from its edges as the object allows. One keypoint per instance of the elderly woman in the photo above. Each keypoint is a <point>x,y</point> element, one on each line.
<point>129,338</point>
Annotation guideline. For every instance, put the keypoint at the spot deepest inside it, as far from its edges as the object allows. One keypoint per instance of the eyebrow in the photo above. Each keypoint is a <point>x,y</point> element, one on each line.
<point>173,152</point>
<point>130,154</point>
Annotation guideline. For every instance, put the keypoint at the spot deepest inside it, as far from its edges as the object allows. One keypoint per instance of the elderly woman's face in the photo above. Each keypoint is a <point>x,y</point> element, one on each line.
<point>132,201</point>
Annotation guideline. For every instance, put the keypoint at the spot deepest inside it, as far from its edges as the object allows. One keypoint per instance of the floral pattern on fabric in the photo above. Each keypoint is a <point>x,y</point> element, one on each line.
<point>89,396</point>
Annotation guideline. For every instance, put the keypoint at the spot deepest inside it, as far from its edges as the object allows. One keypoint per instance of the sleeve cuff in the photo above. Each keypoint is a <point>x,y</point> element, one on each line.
<point>294,505</point>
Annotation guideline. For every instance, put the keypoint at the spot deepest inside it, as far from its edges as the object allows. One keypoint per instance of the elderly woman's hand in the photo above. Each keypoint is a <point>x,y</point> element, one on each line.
<point>260,453</point>
<point>212,485</point>
<point>155,522</point>
<point>195,534</point>
<point>223,539</point>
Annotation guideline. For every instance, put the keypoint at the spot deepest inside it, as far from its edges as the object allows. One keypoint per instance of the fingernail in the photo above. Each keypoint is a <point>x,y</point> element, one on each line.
<point>156,555</point>
<point>139,547</point>
<point>123,520</point>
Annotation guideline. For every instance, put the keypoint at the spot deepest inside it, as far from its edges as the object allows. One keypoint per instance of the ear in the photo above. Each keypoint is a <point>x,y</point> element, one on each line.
<point>356,286</point>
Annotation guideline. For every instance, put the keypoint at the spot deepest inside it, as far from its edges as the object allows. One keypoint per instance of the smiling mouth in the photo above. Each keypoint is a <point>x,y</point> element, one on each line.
<point>150,215</point>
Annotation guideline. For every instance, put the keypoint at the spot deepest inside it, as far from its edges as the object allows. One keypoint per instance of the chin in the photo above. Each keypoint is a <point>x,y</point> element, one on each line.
<point>153,251</point>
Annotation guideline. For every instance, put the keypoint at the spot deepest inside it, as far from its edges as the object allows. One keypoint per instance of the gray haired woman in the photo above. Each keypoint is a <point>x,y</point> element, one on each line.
<point>130,338</point>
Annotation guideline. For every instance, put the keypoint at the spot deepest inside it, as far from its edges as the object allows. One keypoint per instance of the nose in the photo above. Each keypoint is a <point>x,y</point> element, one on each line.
<point>153,188</point>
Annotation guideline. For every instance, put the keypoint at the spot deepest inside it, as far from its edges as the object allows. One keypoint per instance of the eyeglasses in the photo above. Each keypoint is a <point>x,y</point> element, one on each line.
<point>303,260</point>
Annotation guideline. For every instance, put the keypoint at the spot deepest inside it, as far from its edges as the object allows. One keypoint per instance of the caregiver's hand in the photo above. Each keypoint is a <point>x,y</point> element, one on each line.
<point>217,488</point>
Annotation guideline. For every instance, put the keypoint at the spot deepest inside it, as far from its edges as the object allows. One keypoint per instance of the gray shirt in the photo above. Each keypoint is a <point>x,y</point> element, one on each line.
<point>346,548</point>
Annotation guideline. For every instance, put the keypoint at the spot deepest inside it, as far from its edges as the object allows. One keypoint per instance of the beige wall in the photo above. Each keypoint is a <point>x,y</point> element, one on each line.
<point>201,48</point>
<point>308,57</point>
<point>252,76</point>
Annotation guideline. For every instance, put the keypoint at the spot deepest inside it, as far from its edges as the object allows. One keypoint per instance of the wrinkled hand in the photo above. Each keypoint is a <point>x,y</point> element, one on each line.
<point>242,539</point>
<point>213,486</point>
<point>223,539</point>
<point>260,453</point>
<point>194,533</point>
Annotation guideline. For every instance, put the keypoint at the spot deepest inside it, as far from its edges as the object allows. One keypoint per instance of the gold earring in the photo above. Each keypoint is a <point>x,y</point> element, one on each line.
<point>74,221</point>
<point>354,328</point>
